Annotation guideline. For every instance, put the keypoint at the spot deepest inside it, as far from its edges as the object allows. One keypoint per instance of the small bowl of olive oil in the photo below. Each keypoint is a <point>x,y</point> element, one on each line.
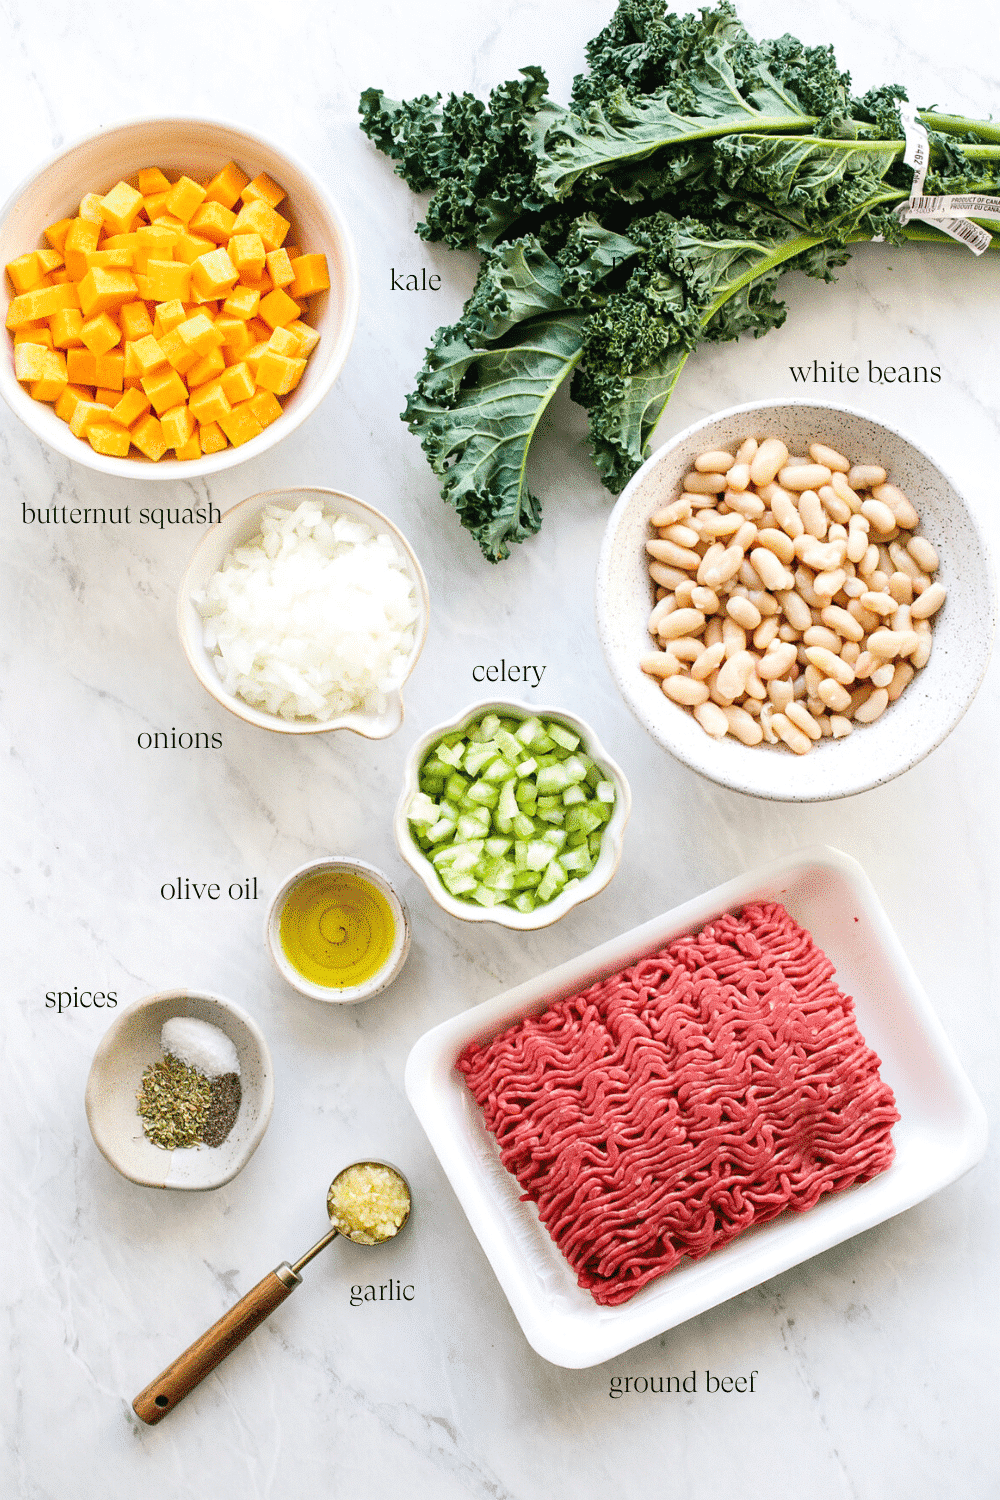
<point>337,931</point>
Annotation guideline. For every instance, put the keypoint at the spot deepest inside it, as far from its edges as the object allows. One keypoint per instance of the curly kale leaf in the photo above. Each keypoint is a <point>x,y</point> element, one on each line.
<point>488,379</point>
<point>475,158</point>
<point>825,186</point>
<point>678,80</point>
<point>696,283</point>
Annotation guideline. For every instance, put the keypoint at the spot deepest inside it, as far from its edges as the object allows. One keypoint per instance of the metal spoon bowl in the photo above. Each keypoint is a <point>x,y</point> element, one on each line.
<point>190,1368</point>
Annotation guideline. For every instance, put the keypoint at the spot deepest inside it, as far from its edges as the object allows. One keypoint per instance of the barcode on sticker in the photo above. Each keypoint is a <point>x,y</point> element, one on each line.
<point>970,234</point>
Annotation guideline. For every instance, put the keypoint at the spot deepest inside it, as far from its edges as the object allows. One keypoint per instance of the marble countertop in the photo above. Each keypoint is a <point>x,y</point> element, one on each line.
<point>873,1361</point>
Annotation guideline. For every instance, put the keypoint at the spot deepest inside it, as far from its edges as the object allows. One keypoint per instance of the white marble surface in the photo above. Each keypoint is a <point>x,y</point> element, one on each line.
<point>876,1360</point>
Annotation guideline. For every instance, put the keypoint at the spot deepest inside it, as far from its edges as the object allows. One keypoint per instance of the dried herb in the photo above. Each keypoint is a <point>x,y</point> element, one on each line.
<point>174,1103</point>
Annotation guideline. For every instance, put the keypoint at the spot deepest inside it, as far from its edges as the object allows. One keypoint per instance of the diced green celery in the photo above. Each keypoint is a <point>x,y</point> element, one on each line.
<point>498,770</point>
<point>489,724</point>
<point>456,786</point>
<point>523,903</point>
<point>554,836</point>
<point>605,791</point>
<point>508,746</point>
<point>495,846</point>
<point>526,880</point>
<point>553,880</point>
<point>522,826</point>
<point>442,829</point>
<point>538,854</point>
<point>507,808</point>
<point>562,736</point>
<point>450,754</point>
<point>573,795</point>
<point>478,756</point>
<point>552,779</point>
<point>485,896</point>
<point>574,767</point>
<point>472,825</point>
<point>528,731</point>
<point>554,815</point>
<point>457,885</point>
<point>484,795</point>
<point>422,811</point>
<point>526,767</point>
<point>585,818</point>
<point>576,861</point>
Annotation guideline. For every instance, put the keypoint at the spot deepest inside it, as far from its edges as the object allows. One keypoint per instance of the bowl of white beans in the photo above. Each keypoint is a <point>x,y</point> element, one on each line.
<point>795,600</point>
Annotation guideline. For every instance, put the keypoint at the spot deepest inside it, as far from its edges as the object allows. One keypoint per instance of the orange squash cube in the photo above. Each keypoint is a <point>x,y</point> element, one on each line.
<point>110,370</point>
<point>212,438</point>
<point>65,327</point>
<point>258,217</point>
<point>132,406</point>
<point>148,354</point>
<point>238,383</point>
<point>152,180</point>
<point>106,288</point>
<point>210,402</point>
<point>56,233</point>
<point>25,271</point>
<point>277,309</point>
<point>134,320</point>
<point>240,425</point>
<point>263,188</point>
<point>183,198</point>
<point>178,426</point>
<point>168,280</point>
<point>190,245</point>
<point>109,438</point>
<point>165,389</point>
<point>100,333</point>
<point>278,373</point>
<point>207,368</point>
<point>214,221</point>
<point>81,367</point>
<point>311,275</point>
<point>279,268</point>
<point>29,361</point>
<point>266,408</point>
<point>214,274</point>
<point>120,207</point>
<point>147,435</point>
<point>226,186</point>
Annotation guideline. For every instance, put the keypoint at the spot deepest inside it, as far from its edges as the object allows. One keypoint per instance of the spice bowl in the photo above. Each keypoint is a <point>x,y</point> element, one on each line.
<point>238,527</point>
<point>132,1044</point>
<point>346,926</point>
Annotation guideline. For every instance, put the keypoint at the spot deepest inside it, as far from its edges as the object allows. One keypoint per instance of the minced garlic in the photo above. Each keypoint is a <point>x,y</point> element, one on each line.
<point>368,1203</point>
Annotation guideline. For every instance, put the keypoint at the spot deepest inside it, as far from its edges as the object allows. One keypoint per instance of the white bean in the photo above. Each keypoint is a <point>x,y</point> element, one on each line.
<point>685,690</point>
<point>821,454</point>
<point>865,476</point>
<point>681,622</point>
<point>743,612</point>
<point>704,484</point>
<point>660,663</point>
<point>923,554</point>
<point>712,719</point>
<point>873,707</point>
<point>714,462</point>
<point>793,737</point>
<point>768,459</point>
<point>929,602</point>
<point>743,725</point>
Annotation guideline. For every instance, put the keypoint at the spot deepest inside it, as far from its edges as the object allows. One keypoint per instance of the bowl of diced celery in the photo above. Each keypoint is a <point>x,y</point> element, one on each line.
<point>512,814</point>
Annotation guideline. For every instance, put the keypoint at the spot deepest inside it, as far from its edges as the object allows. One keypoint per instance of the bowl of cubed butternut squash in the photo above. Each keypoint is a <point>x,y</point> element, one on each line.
<point>178,296</point>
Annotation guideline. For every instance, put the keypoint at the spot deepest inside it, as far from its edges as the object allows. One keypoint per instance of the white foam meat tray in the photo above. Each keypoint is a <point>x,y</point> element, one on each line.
<point>941,1132</point>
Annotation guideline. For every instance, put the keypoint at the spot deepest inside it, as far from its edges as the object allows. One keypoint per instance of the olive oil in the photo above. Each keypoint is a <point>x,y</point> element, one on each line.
<point>337,929</point>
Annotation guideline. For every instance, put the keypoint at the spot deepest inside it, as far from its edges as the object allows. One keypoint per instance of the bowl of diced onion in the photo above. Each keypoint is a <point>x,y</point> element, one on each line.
<point>512,814</point>
<point>303,611</point>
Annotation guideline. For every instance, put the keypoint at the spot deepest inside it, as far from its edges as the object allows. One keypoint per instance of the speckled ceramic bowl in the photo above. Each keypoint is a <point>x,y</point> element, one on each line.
<point>931,705</point>
<point>199,148</point>
<point>128,1047</point>
<point>507,916</point>
<point>237,527</point>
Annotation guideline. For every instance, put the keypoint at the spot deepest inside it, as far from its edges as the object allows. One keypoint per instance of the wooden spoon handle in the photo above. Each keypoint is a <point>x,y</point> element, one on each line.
<point>191,1367</point>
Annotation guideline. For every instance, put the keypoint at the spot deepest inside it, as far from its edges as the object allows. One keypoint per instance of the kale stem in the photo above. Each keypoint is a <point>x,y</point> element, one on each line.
<point>986,130</point>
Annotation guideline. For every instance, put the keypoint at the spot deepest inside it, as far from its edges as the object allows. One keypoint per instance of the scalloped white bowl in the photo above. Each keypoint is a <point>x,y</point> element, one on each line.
<point>237,527</point>
<point>505,916</point>
<point>199,148</point>
<point>913,726</point>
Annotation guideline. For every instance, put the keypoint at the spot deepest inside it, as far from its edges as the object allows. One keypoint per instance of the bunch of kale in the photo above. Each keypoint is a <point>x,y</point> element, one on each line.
<point>692,168</point>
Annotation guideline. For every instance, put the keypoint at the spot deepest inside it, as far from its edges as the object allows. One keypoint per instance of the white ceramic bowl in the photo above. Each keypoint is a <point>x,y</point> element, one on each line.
<point>506,916</point>
<point>239,526</point>
<point>198,148</point>
<point>128,1047</point>
<point>941,1133</point>
<point>397,955</point>
<point>934,701</point>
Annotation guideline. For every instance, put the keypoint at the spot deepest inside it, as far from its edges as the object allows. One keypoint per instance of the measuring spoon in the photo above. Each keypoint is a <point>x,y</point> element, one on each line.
<point>190,1368</point>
